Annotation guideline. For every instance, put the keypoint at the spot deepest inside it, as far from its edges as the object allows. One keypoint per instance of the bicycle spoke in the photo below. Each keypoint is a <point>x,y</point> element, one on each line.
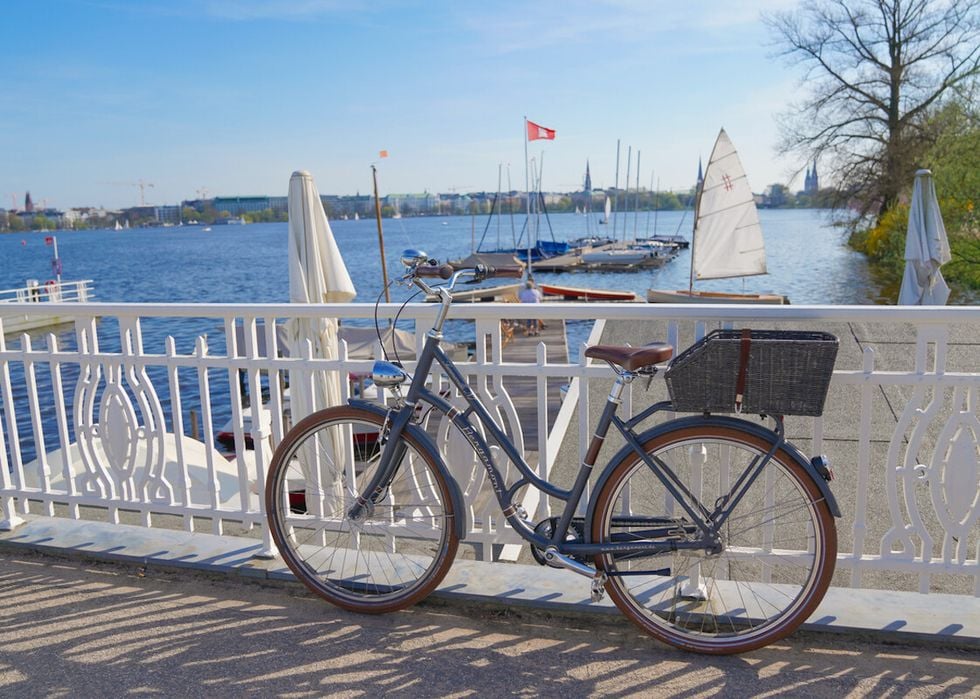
<point>769,569</point>
<point>396,551</point>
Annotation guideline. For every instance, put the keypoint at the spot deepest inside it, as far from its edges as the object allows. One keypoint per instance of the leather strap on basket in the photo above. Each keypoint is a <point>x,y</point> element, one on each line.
<point>743,366</point>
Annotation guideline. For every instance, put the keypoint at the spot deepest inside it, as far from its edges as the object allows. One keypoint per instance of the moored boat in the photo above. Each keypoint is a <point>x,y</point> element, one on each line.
<point>571,293</point>
<point>685,296</point>
<point>727,238</point>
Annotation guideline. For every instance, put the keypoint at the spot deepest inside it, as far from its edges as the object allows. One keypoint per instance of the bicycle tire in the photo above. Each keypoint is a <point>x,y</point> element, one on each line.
<point>779,544</point>
<point>391,559</point>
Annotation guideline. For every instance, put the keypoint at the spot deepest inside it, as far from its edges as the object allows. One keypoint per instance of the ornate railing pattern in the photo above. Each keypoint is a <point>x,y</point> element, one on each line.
<point>120,415</point>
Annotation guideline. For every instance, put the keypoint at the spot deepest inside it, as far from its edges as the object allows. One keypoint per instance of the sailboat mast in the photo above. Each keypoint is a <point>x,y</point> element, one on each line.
<point>500,167</point>
<point>636,197</point>
<point>510,208</point>
<point>656,204</point>
<point>626,193</point>
<point>615,191</point>
<point>694,227</point>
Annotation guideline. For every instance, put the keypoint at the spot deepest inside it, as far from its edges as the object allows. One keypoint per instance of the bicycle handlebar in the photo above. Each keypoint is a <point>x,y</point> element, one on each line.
<point>478,272</point>
<point>440,271</point>
<point>516,272</point>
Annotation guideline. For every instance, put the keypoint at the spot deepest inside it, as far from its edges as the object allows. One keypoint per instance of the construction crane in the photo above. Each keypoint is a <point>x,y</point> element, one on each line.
<point>202,193</point>
<point>138,183</point>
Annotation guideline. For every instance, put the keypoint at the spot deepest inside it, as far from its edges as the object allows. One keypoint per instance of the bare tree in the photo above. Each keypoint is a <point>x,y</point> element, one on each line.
<point>874,70</point>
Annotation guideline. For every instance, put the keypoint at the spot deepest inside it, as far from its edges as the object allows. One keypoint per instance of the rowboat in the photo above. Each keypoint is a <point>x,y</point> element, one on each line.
<point>571,293</point>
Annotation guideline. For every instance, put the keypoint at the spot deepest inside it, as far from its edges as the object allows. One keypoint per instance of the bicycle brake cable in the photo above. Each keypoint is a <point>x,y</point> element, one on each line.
<point>377,323</point>
<point>394,324</point>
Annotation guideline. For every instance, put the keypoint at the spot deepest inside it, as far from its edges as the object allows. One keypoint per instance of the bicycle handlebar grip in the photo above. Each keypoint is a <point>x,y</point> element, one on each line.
<point>516,272</point>
<point>440,271</point>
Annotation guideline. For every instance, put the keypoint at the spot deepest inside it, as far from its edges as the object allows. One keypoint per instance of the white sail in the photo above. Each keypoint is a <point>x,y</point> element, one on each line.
<point>608,209</point>
<point>727,235</point>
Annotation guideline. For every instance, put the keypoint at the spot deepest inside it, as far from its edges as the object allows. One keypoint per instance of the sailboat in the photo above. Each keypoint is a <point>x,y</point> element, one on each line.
<point>607,211</point>
<point>727,240</point>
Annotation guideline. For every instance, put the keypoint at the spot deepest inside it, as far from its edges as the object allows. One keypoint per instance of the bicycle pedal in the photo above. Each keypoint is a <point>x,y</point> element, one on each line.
<point>598,587</point>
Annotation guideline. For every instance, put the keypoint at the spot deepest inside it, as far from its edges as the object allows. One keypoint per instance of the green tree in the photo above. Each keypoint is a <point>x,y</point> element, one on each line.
<point>42,223</point>
<point>873,71</point>
<point>952,159</point>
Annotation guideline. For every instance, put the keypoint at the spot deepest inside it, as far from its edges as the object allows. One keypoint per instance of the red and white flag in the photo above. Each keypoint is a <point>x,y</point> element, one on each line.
<point>536,132</point>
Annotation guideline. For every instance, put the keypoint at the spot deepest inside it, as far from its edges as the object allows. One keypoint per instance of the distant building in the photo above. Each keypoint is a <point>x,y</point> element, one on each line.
<point>811,183</point>
<point>412,203</point>
<point>775,195</point>
<point>236,206</point>
<point>167,214</point>
<point>28,204</point>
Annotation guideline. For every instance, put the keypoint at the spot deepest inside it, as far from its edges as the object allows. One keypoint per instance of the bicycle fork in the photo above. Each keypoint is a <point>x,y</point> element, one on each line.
<point>391,455</point>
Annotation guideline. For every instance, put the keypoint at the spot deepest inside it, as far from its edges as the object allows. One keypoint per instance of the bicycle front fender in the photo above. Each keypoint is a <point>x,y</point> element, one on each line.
<point>420,435</point>
<point>755,429</point>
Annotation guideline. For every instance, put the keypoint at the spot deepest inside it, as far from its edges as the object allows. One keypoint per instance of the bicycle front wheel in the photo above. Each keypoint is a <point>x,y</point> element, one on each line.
<point>387,559</point>
<point>773,565</point>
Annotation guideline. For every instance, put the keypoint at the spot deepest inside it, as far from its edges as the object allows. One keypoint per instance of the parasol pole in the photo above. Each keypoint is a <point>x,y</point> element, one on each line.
<point>381,235</point>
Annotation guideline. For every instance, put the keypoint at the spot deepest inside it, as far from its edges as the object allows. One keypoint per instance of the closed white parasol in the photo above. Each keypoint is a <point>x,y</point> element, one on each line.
<point>317,274</point>
<point>926,248</point>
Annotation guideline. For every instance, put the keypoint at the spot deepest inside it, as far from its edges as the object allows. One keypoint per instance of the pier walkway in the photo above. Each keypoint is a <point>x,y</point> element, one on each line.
<point>523,390</point>
<point>85,629</point>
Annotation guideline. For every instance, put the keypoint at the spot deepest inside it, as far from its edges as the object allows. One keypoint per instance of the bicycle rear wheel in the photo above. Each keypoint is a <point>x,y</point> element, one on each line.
<point>778,550</point>
<point>386,561</point>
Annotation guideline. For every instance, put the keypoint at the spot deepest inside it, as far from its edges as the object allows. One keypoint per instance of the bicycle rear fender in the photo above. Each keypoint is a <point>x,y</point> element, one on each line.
<point>715,421</point>
<point>419,434</point>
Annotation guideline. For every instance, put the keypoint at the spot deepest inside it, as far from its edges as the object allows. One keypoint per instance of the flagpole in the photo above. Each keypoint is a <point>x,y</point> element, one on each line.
<point>381,235</point>
<point>527,192</point>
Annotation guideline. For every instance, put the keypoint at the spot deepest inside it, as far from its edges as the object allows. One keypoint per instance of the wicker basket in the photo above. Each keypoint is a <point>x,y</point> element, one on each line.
<point>788,373</point>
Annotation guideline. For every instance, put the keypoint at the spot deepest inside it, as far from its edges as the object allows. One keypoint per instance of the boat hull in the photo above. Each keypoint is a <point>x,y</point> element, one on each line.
<point>572,293</point>
<point>662,296</point>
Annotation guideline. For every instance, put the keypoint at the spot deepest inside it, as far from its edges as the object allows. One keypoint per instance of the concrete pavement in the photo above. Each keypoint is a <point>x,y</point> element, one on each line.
<point>901,617</point>
<point>86,629</point>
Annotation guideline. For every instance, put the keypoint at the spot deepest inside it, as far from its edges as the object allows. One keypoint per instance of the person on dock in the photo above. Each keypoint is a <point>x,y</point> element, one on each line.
<point>530,294</point>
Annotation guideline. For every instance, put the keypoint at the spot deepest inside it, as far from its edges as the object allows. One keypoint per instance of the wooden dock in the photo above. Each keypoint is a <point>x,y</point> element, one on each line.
<point>523,390</point>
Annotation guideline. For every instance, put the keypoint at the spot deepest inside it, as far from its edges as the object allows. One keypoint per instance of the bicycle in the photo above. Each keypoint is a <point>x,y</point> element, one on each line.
<point>710,532</point>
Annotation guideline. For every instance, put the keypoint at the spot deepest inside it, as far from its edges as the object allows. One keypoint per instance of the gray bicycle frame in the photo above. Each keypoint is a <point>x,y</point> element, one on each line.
<point>707,522</point>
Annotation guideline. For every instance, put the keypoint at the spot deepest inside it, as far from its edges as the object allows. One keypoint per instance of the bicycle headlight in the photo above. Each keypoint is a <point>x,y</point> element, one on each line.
<point>386,374</point>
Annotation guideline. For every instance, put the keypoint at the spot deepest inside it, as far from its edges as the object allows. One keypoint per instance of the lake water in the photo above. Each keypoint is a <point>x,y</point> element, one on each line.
<point>808,261</point>
<point>807,258</point>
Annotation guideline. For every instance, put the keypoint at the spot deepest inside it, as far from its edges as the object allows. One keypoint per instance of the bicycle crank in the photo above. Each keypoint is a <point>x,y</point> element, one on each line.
<point>558,560</point>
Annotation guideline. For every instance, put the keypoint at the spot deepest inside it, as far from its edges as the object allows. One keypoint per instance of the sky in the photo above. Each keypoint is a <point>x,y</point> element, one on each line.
<point>229,97</point>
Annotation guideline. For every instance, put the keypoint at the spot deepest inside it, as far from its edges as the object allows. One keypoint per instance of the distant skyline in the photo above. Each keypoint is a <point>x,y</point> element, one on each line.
<point>233,96</point>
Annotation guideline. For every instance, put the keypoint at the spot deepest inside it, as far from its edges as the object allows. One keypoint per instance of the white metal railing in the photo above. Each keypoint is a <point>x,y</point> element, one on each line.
<point>79,291</point>
<point>100,417</point>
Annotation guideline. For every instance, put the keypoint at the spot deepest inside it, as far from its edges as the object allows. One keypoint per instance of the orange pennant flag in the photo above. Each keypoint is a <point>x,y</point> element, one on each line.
<point>383,154</point>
